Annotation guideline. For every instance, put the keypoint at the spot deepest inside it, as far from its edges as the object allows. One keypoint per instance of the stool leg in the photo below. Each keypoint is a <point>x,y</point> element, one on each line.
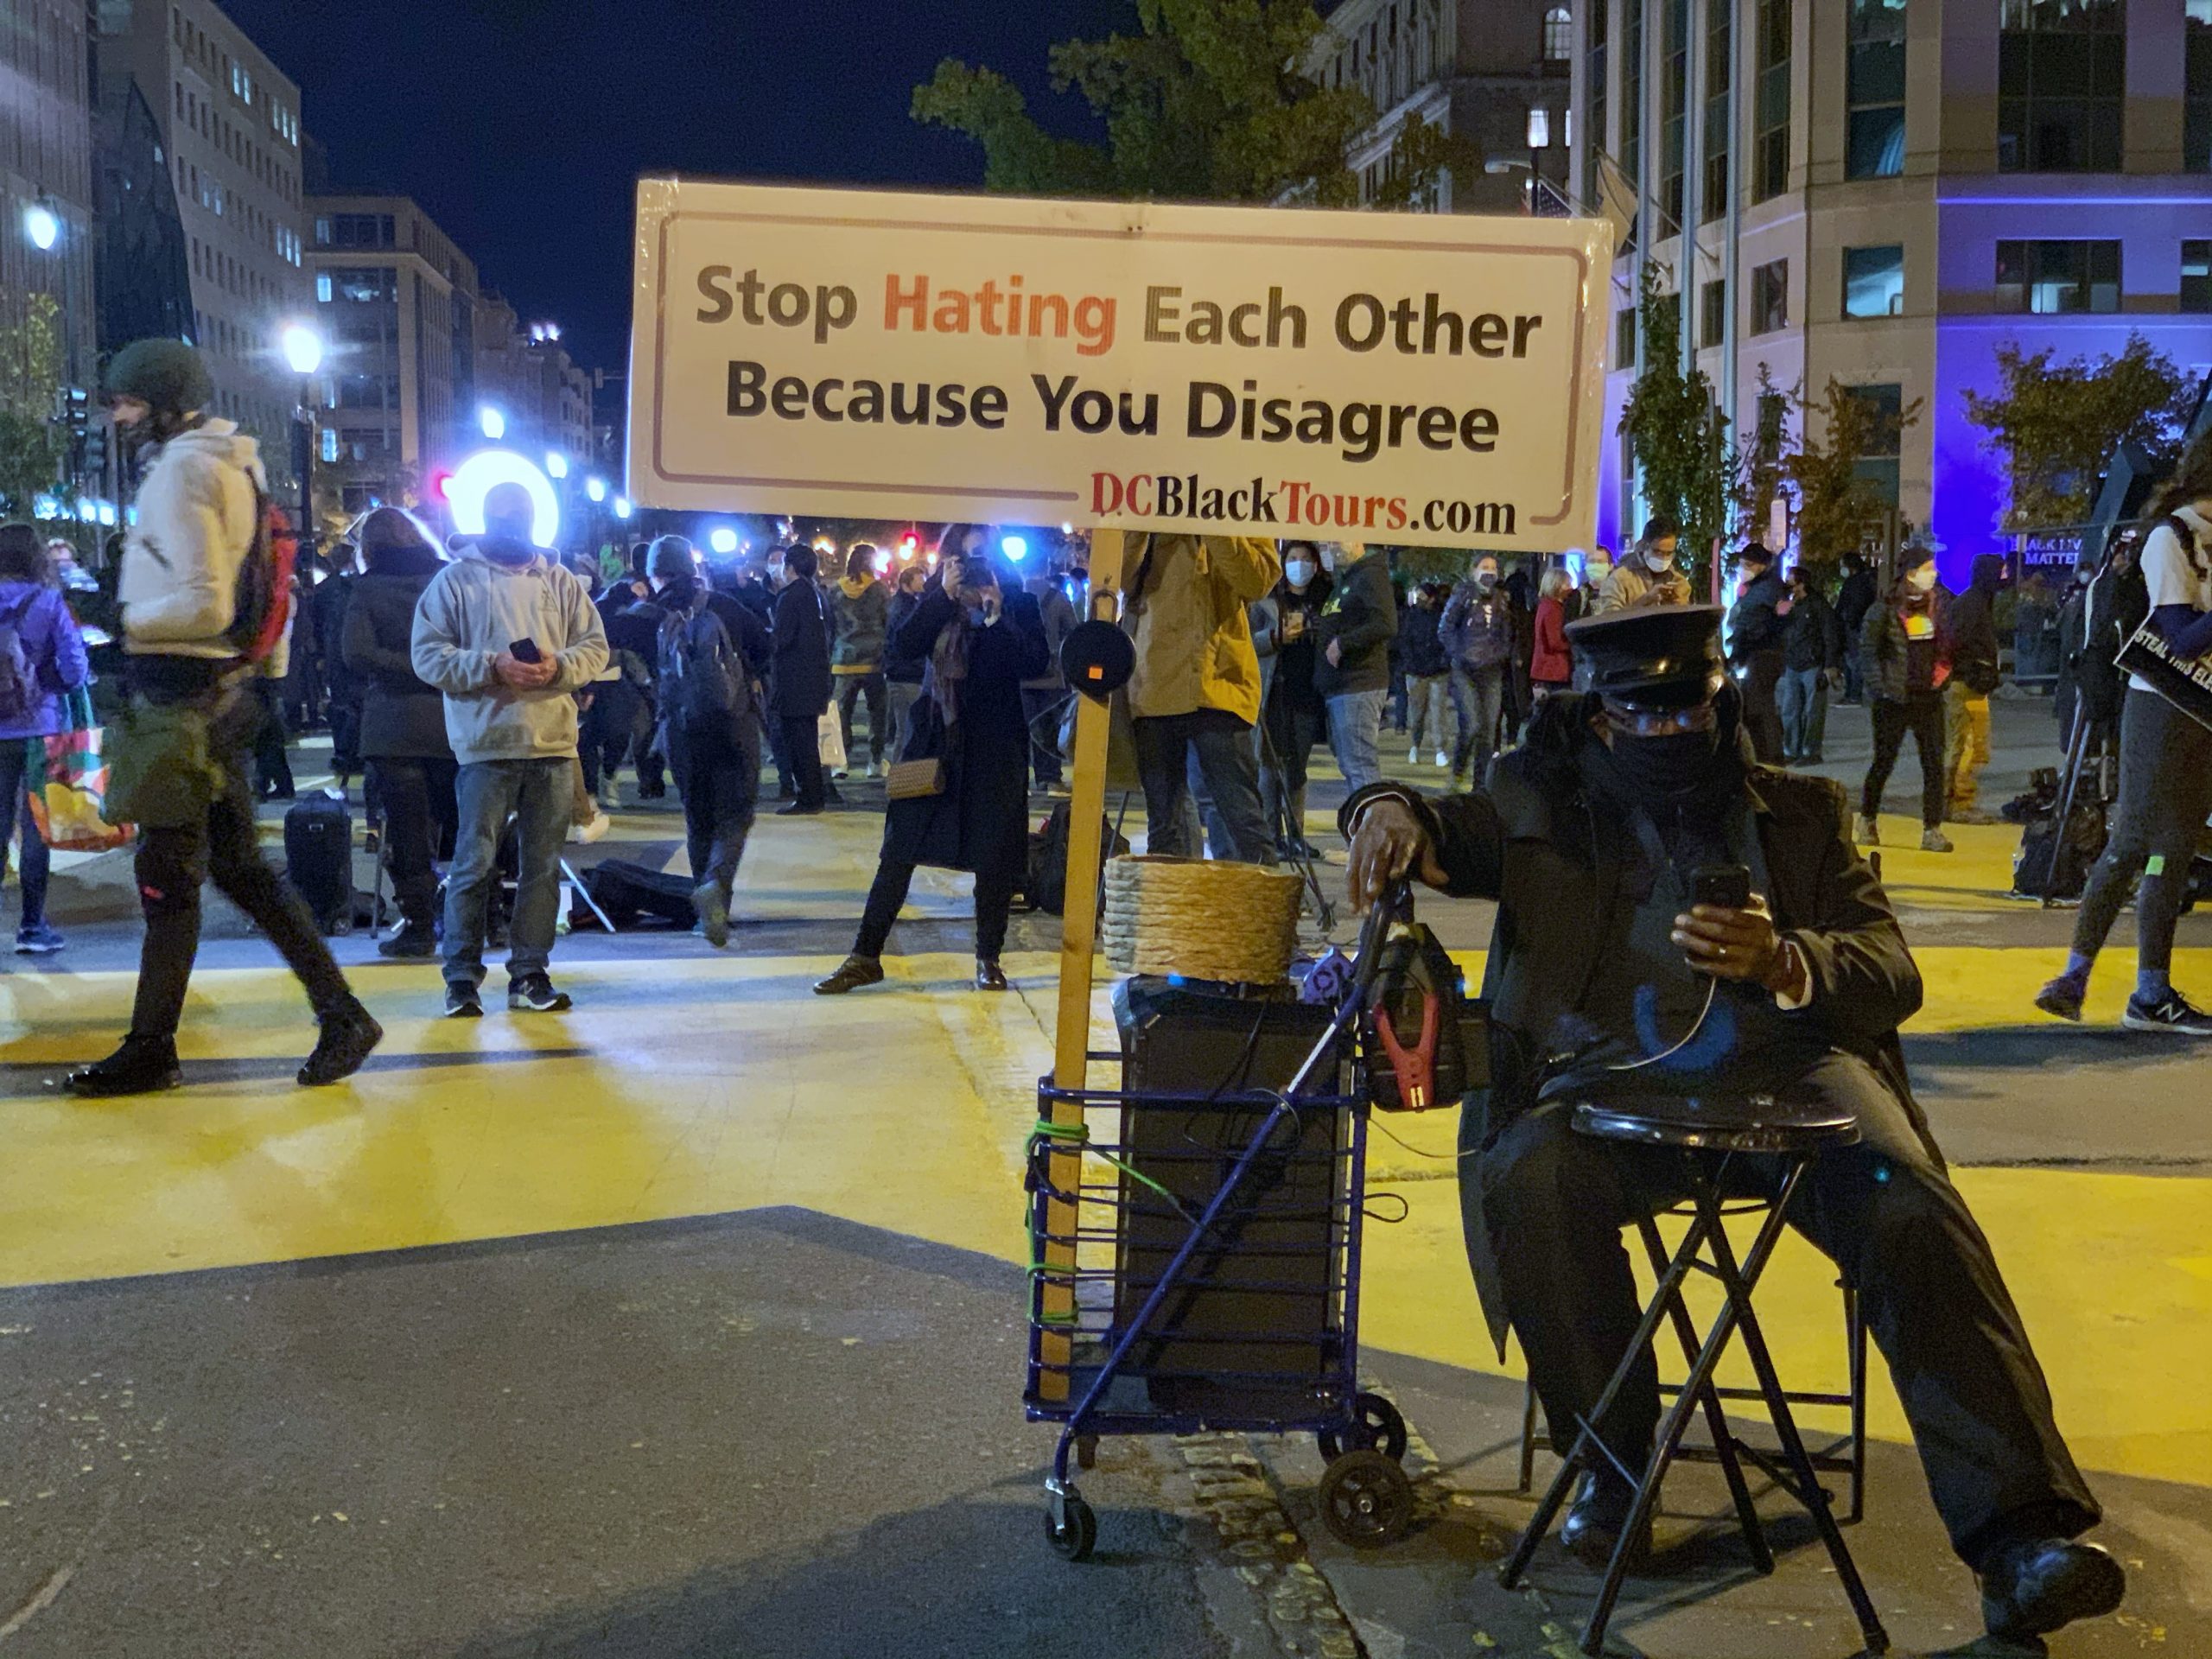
<point>1585,1449</point>
<point>1739,1286</point>
<point>1854,1325</point>
<point>1706,1226</point>
<point>1716,1419</point>
<point>1527,1440</point>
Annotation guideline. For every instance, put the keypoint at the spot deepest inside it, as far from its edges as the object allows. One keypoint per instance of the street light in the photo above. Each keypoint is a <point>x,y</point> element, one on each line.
<point>43,226</point>
<point>492,422</point>
<point>596,489</point>
<point>622,507</point>
<point>302,349</point>
<point>556,464</point>
<point>722,539</point>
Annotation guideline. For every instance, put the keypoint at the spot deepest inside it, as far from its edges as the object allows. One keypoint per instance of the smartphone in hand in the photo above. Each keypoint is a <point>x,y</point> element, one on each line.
<point>525,651</point>
<point>1724,886</point>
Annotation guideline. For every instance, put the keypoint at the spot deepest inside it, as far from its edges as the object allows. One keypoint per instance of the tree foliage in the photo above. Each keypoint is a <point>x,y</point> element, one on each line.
<point>31,442</point>
<point>2060,423</point>
<point>1834,501</point>
<point>1206,102</point>
<point>1678,433</point>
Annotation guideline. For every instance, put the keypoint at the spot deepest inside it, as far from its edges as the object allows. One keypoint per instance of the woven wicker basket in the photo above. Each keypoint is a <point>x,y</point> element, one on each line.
<point>1201,919</point>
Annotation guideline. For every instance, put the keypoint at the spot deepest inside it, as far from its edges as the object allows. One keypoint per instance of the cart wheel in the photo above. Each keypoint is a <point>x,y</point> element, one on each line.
<point>1073,1539</point>
<point>1366,1500</point>
<point>1086,1450</point>
<point>1381,1428</point>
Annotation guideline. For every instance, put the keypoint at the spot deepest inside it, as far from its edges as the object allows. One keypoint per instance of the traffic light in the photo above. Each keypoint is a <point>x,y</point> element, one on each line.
<point>95,468</point>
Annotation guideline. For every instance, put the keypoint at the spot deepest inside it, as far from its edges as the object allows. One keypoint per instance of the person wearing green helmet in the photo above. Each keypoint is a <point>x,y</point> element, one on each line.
<point>181,763</point>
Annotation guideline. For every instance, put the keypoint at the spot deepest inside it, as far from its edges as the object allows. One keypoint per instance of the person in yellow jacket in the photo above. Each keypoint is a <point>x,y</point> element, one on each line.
<point>1196,691</point>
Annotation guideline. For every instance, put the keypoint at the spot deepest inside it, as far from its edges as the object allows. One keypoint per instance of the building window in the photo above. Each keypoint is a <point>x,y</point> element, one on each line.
<point>2196,119</point>
<point>1712,306</point>
<point>1876,91</point>
<point>1770,297</point>
<point>1631,152</point>
<point>2061,80</point>
<point>1594,79</point>
<point>1559,35</point>
<point>1873,282</point>
<point>1878,462</point>
<point>1771,140</point>
<point>329,443</point>
<point>1720,108</point>
<point>2197,275</point>
<point>1624,338</point>
<point>1673,94</point>
<point>2049,279</point>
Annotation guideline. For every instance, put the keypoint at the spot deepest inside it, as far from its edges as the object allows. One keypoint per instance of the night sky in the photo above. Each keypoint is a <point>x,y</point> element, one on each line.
<point>522,125</point>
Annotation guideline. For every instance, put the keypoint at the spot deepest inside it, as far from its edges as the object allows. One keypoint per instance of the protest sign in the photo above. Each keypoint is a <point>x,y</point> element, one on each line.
<point>1419,378</point>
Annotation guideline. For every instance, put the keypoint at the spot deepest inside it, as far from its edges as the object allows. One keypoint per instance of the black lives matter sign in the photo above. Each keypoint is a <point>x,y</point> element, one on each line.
<point>1403,377</point>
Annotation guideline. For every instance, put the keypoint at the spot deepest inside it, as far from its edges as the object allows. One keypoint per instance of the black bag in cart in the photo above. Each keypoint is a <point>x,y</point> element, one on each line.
<point>319,860</point>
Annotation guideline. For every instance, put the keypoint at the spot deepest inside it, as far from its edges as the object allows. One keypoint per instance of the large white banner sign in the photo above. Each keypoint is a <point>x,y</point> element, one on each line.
<point>1398,377</point>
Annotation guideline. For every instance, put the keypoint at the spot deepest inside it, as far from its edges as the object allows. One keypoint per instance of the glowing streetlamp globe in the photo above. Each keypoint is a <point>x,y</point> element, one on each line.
<point>494,424</point>
<point>596,489</point>
<point>302,348</point>
<point>723,540</point>
<point>556,464</point>
<point>43,226</point>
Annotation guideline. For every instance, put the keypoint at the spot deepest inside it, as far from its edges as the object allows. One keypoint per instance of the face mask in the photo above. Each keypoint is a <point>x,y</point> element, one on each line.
<point>1658,562</point>
<point>1923,579</point>
<point>1486,580</point>
<point>978,616</point>
<point>1670,767</point>
<point>1300,572</point>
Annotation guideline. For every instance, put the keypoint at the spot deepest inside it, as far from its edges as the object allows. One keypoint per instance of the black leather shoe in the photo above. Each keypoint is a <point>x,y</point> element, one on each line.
<point>143,1065</point>
<point>1592,1528</point>
<point>799,809</point>
<point>2031,1589</point>
<point>989,977</point>
<point>349,1037</point>
<point>853,972</point>
<point>415,942</point>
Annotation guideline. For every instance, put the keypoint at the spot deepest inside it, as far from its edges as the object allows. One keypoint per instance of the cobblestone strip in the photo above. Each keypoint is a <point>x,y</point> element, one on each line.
<point>1234,1492</point>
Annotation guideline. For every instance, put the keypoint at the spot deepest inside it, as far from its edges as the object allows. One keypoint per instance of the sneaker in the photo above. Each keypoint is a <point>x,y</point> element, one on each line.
<point>610,796</point>
<point>2061,998</point>
<point>1443,760</point>
<point>463,1000</point>
<point>592,827</point>
<point>1866,832</point>
<point>840,775</point>
<point>38,940</point>
<point>1935,841</point>
<point>143,1065</point>
<point>415,942</point>
<point>877,769</point>
<point>2173,1012</point>
<point>1412,755</point>
<point>853,972</point>
<point>713,906</point>
<point>797,809</point>
<point>349,1037</point>
<point>534,993</point>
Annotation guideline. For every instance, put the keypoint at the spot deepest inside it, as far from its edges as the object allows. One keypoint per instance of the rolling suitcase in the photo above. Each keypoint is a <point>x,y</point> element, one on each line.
<point>319,860</point>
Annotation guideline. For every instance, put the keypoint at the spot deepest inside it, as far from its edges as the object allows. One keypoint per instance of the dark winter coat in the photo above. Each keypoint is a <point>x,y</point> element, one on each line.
<point>1476,629</point>
<point>1754,627</point>
<point>1812,637</point>
<point>1853,599</point>
<point>802,652</point>
<point>1884,652</point>
<point>1421,652</point>
<point>402,717</point>
<point>905,671</point>
<point>1361,620</point>
<point>1557,862</point>
<point>1970,627</point>
<point>1059,618</point>
<point>981,820</point>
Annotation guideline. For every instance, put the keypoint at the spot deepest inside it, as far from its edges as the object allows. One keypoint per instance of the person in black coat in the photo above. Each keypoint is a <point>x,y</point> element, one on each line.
<point>983,638</point>
<point>1755,629</point>
<point>403,721</point>
<point>801,695</point>
<point>1588,839</point>
<point>342,689</point>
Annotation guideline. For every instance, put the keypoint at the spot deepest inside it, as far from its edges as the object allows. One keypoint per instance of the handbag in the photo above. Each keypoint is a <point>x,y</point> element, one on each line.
<point>66,780</point>
<point>915,780</point>
<point>920,773</point>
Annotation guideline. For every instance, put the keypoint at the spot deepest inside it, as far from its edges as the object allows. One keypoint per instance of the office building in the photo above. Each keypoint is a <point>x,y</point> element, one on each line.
<point>397,305</point>
<point>526,380</point>
<point>1496,72</point>
<point>230,131</point>
<point>47,216</point>
<point>1883,192</point>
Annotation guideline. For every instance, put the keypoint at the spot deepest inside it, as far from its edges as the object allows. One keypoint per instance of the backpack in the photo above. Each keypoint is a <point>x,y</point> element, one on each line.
<point>703,686</point>
<point>262,603</point>
<point>19,688</point>
<point>1045,885</point>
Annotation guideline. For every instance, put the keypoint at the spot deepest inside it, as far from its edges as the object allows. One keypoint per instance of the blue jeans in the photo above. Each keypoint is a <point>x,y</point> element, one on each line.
<point>1356,735</point>
<point>1802,696</point>
<point>1222,747</point>
<point>537,793</point>
<point>1478,697</point>
<point>14,807</point>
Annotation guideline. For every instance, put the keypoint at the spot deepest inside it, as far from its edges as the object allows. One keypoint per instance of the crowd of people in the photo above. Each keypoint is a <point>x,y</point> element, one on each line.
<point>491,694</point>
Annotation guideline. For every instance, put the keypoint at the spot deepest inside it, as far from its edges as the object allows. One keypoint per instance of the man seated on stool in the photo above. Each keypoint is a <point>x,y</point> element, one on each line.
<point>1588,838</point>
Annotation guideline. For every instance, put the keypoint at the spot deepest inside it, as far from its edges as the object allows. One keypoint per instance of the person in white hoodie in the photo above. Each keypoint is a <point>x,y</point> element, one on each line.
<point>190,719</point>
<point>509,635</point>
